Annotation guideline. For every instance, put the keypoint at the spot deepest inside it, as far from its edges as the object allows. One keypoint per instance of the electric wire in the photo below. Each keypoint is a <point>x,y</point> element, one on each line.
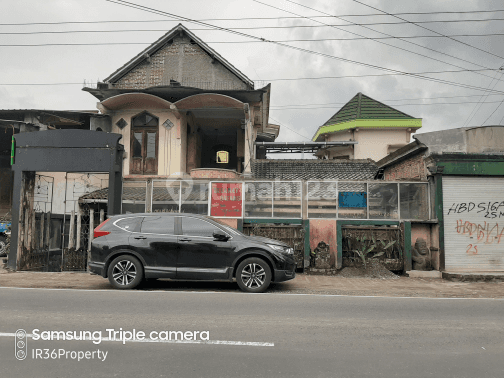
<point>257,18</point>
<point>389,35</point>
<point>290,79</point>
<point>423,27</point>
<point>286,40</point>
<point>498,106</point>
<point>482,100</point>
<point>284,79</point>
<point>386,100</point>
<point>233,42</point>
<point>287,127</point>
<point>151,10</point>
<point>395,105</point>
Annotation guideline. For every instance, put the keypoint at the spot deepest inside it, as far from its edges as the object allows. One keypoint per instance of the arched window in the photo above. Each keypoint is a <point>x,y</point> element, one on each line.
<point>144,144</point>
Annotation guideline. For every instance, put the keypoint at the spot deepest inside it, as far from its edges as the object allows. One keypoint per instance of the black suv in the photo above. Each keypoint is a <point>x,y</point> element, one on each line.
<point>128,248</point>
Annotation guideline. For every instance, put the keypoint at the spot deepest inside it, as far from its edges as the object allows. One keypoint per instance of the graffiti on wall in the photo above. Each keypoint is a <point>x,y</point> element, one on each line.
<point>483,233</point>
<point>479,232</point>
<point>490,210</point>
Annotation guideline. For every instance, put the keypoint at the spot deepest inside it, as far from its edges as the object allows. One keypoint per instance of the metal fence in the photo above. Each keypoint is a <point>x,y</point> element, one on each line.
<point>368,200</point>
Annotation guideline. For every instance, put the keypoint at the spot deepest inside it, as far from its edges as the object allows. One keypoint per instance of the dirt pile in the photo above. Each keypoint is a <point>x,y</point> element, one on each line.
<point>374,270</point>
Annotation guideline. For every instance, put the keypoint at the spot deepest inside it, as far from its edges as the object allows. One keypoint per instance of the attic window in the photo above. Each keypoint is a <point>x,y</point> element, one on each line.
<point>121,123</point>
<point>168,124</point>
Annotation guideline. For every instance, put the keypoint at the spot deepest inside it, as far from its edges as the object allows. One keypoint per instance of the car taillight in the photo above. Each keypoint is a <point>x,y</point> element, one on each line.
<point>98,232</point>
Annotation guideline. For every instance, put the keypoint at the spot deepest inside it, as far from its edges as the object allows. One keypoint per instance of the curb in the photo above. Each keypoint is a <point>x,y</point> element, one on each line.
<point>472,277</point>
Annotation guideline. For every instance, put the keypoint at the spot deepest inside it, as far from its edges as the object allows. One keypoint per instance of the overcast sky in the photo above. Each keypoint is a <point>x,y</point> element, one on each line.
<point>300,106</point>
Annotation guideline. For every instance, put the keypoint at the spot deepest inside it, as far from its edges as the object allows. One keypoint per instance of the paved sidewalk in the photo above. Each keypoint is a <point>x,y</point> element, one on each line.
<point>302,284</point>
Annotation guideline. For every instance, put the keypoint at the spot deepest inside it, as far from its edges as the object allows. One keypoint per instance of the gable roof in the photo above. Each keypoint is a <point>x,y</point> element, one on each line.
<point>284,169</point>
<point>364,107</point>
<point>152,49</point>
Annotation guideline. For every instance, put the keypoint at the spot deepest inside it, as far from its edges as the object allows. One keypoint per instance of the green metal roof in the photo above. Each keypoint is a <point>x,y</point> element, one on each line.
<point>364,107</point>
<point>361,108</point>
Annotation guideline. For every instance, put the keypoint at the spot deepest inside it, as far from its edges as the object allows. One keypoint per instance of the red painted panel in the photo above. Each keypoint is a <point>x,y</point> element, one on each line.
<point>226,200</point>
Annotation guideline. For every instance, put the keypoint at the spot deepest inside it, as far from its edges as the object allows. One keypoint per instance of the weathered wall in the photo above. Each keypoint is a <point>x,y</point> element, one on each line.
<point>184,62</point>
<point>171,144</point>
<point>444,141</point>
<point>194,146</point>
<point>374,143</point>
<point>324,230</point>
<point>419,230</point>
<point>436,263</point>
<point>101,124</point>
<point>78,185</point>
<point>341,151</point>
<point>412,168</point>
<point>485,140</point>
<point>213,173</point>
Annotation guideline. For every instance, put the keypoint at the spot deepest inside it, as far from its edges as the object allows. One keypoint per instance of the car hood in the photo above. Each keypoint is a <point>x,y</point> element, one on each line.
<point>267,240</point>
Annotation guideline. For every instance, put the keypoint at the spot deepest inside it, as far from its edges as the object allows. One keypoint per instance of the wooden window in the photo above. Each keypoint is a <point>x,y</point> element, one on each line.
<point>144,144</point>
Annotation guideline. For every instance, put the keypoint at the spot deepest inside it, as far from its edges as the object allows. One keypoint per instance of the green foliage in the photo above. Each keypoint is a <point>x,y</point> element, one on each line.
<point>363,249</point>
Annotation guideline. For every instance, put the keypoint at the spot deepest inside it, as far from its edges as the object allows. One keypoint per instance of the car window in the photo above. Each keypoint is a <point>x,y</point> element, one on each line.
<point>197,227</point>
<point>226,226</point>
<point>159,225</point>
<point>231,229</point>
<point>129,224</point>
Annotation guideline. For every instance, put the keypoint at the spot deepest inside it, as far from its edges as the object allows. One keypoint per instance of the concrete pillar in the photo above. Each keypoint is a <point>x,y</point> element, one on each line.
<point>249,148</point>
<point>192,151</point>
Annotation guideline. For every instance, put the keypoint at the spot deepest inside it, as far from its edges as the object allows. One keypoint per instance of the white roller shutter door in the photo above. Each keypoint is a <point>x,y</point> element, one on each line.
<point>473,209</point>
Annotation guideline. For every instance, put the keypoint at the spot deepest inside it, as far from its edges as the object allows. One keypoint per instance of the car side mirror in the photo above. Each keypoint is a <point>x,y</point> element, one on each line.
<point>219,235</point>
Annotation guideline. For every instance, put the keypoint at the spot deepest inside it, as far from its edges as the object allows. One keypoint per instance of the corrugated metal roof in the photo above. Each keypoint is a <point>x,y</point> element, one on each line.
<point>314,169</point>
<point>138,194</point>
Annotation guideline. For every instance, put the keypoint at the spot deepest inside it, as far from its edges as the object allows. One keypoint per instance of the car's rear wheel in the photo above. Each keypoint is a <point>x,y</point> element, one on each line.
<point>253,275</point>
<point>125,272</point>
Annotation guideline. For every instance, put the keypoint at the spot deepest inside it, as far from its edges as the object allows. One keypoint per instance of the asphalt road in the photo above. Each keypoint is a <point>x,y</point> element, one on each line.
<point>295,335</point>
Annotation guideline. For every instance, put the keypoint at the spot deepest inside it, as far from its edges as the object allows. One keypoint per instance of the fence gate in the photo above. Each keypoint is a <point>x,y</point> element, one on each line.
<point>79,219</point>
<point>35,221</point>
<point>293,235</point>
<point>54,226</point>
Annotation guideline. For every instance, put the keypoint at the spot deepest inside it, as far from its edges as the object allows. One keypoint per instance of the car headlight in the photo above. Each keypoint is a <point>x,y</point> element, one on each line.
<point>279,248</point>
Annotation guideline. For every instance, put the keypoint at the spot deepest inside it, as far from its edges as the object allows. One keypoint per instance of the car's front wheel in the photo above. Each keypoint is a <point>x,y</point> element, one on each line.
<point>253,275</point>
<point>125,272</point>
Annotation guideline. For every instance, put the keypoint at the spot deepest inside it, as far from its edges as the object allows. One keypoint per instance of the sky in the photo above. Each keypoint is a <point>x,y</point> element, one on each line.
<point>77,45</point>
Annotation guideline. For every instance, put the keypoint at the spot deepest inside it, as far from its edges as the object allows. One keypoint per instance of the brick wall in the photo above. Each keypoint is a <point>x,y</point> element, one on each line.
<point>412,168</point>
<point>182,61</point>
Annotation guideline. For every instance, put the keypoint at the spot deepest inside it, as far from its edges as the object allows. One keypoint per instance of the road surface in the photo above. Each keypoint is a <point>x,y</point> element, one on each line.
<point>261,335</point>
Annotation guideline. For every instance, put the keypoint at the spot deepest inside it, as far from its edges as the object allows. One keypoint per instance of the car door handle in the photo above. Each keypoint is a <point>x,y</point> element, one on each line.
<point>185,240</point>
<point>140,237</point>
